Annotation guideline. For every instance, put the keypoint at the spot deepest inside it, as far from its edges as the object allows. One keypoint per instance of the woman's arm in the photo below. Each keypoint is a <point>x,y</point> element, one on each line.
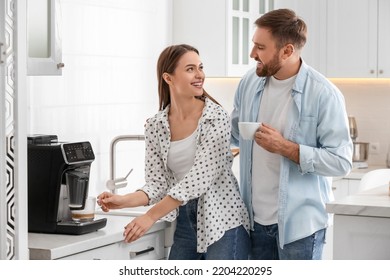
<point>109,201</point>
<point>162,208</point>
<point>140,225</point>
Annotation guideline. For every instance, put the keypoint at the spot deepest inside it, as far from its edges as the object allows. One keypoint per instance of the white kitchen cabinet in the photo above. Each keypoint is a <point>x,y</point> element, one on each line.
<point>148,247</point>
<point>340,188</point>
<point>44,47</point>
<point>353,186</point>
<point>362,225</point>
<point>357,39</point>
<point>359,237</point>
<point>221,30</point>
<point>106,243</point>
<point>344,187</point>
<point>312,12</point>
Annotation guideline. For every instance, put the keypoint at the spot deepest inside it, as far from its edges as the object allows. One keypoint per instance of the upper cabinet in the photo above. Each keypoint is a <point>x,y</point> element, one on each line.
<point>312,12</point>
<point>346,39</point>
<point>44,53</point>
<point>358,39</point>
<point>221,30</point>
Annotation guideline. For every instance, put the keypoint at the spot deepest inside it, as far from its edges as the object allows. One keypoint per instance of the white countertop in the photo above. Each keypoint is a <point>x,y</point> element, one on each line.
<point>374,202</point>
<point>357,173</point>
<point>54,246</point>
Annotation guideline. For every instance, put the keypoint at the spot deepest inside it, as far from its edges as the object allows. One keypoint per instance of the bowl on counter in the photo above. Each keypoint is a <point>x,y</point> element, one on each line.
<point>360,151</point>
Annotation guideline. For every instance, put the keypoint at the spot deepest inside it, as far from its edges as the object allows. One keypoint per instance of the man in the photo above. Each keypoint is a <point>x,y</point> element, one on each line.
<point>285,173</point>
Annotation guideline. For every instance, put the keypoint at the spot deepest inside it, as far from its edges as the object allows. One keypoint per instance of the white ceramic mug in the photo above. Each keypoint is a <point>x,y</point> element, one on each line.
<point>88,213</point>
<point>248,129</point>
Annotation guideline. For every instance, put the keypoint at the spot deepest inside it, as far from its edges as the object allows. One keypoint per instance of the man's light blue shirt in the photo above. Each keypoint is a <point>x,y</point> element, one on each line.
<point>318,122</point>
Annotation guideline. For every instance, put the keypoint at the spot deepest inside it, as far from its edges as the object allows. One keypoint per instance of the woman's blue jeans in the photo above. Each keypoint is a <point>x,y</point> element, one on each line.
<point>234,245</point>
<point>265,245</point>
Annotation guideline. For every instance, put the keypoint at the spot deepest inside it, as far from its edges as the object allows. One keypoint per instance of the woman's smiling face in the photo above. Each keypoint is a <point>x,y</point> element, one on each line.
<point>188,77</point>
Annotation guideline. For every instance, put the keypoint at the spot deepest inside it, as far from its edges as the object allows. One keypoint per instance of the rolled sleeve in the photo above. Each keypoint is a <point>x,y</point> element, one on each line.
<point>306,156</point>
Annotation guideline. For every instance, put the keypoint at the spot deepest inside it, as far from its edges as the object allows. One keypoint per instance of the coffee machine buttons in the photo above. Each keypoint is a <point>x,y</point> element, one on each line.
<point>77,152</point>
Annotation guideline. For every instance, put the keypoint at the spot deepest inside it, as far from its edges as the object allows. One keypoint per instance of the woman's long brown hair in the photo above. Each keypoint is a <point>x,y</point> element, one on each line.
<point>167,63</point>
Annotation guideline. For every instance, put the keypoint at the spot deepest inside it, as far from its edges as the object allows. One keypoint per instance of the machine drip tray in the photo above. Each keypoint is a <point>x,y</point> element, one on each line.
<point>70,227</point>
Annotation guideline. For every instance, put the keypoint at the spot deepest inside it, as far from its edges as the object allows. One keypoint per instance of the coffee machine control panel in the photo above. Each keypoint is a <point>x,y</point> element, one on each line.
<point>77,152</point>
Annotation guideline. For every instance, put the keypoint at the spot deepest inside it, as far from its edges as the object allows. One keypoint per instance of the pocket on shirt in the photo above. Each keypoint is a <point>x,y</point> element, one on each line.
<point>307,131</point>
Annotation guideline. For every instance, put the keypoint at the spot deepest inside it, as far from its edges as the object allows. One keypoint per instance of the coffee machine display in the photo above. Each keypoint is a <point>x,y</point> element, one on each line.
<point>58,177</point>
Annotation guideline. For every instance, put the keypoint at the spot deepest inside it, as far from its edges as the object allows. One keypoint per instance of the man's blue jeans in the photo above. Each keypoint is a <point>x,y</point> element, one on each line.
<point>234,245</point>
<point>265,245</point>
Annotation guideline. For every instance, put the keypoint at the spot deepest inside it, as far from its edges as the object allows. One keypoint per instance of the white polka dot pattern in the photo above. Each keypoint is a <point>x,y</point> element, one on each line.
<point>210,179</point>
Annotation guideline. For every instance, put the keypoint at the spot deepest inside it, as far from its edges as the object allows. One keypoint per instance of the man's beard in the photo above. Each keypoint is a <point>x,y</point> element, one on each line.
<point>269,69</point>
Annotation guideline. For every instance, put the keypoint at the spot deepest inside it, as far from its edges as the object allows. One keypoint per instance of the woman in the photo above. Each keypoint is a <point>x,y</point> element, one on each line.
<point>188,167</point>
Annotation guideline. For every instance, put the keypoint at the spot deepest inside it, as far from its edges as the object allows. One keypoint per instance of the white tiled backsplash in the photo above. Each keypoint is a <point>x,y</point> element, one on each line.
<point>368,101</point>
<point>108,87</point>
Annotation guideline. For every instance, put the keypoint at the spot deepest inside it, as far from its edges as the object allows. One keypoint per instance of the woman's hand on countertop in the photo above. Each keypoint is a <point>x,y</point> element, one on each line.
<point>138,227</point>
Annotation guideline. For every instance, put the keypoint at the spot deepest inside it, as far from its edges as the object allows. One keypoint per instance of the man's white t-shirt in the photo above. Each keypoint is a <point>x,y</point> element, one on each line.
<point>275,103</point>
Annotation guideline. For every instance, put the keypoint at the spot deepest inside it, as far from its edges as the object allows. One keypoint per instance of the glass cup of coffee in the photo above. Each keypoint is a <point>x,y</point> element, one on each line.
<point>88,213</point>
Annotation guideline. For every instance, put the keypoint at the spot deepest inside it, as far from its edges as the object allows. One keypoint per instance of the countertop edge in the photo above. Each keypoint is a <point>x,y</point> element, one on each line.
<point>373,202</point>
<point>358,210</point>
<point>358,173</point>
<point>55,246</point>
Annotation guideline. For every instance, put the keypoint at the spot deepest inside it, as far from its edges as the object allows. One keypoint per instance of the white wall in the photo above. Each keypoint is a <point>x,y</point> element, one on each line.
<point>108,86</point>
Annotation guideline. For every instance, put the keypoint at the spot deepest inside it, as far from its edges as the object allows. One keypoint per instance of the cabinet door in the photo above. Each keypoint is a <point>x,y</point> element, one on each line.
<point>44,53</point>
<point>314,15</point>
<point>220,29</point>
<point>202,24</point>
<point>340,188</point>
<point>383,39</point>
<point>353,186</point>
<point>148,247</point>
<point>352,33</point>
<point>240,27</point>
<point>361,238</point>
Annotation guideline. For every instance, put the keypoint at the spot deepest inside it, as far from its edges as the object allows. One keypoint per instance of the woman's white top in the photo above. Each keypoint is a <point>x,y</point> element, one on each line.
<point>181,156</point>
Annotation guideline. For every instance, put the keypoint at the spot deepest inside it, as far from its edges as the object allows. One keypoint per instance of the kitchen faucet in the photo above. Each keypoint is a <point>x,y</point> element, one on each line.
<point>113,151</point>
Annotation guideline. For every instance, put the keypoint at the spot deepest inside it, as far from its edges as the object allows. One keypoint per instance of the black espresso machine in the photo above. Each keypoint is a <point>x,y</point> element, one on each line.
<point>58,177</point>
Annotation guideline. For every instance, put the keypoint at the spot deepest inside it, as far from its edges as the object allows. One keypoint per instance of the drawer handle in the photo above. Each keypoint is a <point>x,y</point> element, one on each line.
<point>135,254</point>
